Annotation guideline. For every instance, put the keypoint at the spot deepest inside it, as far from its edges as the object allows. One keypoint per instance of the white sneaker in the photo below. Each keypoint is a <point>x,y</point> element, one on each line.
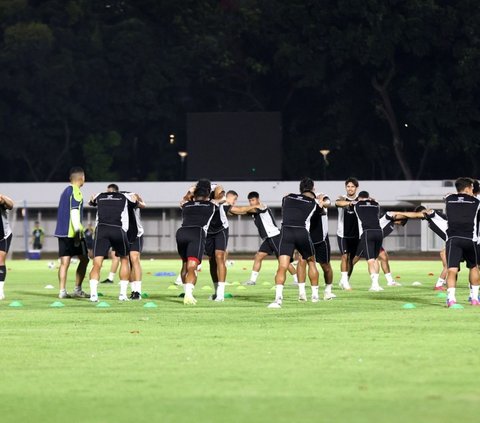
<point>275,304</point>
<point>123,298</point>
<point>345,285</point>
<point>94,298</point>
<point>315,299</point>
<point>394,283</point>
<point>329,296</point>
<point>219,300</point>
<point>178,282</point>
<point>302,297</point>
<point>63,295</point>
<point>376,288</point>
<point>2,296</point>
<point>189,300</point>
<point>249,283</point>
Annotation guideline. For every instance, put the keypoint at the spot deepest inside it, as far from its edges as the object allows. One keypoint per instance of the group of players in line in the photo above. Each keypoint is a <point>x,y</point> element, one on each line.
<point>303,235</point>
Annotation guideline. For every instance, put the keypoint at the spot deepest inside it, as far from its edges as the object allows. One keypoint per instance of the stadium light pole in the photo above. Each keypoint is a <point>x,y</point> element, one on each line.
<point>325,152</point>
<point>183,155</point>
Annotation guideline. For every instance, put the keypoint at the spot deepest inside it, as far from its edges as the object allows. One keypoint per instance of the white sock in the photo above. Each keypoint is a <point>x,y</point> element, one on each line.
<point>138,287</point>
<point>328,288</point>
<point>440,282</point>
<point>188,289</point>
<point>254,276</point>
<point>301,289</point>
<point>474,292</point>
<point>388,277</point>
<point>93,287</point>
<point>314,290</point>
<point>111,276</point>
<point>179,278</point>
<point>451,294</point>
<point>215,287</point>
<point>2,284</point>
<point>123,288</point>
<point>344,277</point>
<point>374,277</point>
<point>278,292</point>
<point>295,278</point>
<point>221,290</point>
<point>133,285</point>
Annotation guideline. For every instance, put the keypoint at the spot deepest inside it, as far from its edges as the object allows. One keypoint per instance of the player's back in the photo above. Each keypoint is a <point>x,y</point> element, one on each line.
<point>297,210</point>
<point>462,212</point>
<point>198,214</point>
<point>368,213</point>
<point>112,209</point>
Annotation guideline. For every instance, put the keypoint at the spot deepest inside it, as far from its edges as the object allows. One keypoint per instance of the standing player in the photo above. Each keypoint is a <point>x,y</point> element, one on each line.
<point>197,213</point>
<point>89,231</point>
<point>69,232</point>
<point>463,214</point>
<point>38,234</point>
<point>6,204</point>
<point>217,237</point>
<point>111,232</point>
<point>347,232</point>
<point>270,235</point>
<point>135,237</point>
<point>297,211</point>
<point>371,235</point>
<point>113,257</point>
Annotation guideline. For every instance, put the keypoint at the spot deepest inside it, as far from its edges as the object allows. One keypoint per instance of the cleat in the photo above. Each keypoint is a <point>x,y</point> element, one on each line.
<point>106,281</point>
<point>94,298</point>
<point>315,299</point>
<point>451,303</point>
<point>345,285</point>
<point>212,297</point>
<point>328,296</point>
<point>123,298</point>
<point>376,289</point>
<point>64,295</point>
<point>275,304</point>
<point>249,283</point>
<point>302,297</point>
<point>80,294</point>
<point>189,300</point>
<point>135,296</point>
<point>439,288</point>
<point>394,283</point>
<point>475,303</point>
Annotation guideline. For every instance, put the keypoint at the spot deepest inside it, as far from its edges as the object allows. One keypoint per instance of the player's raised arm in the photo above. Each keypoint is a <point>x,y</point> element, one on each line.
<point>343,202</point>
<point>242,210</point>
<point>141,204</point>
<point>323,201</point>
<point>6,202</point>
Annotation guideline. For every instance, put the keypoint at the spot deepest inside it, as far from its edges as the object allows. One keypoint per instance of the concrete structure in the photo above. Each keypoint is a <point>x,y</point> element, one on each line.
<point>162,217</point>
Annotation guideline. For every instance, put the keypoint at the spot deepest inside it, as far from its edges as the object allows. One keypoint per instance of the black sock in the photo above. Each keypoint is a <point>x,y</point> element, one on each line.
<point>3,273</point>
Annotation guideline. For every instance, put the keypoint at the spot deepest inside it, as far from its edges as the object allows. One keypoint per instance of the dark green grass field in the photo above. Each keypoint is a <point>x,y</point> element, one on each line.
<point>358,358</point>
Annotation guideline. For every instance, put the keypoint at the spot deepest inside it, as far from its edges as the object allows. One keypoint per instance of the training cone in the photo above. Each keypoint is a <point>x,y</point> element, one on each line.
<point>145,295</point>
<point>416,283</point>
<point>206,288</point>
<point>458,306</point>
<point>442,295</point>
<point>150,304</point>
<point>172,287</point>
<point>235,283</point>
<point>266,283</point>
<point>408,306</point>
<point>15,304</point>
<point>102,304</point>
<point>227,295</point>
<point>241,288</point>
<point>57,304</point>
<point>49,286</point>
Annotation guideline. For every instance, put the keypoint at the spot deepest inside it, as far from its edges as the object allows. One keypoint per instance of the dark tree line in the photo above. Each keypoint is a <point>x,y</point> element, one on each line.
<point>390,88</point>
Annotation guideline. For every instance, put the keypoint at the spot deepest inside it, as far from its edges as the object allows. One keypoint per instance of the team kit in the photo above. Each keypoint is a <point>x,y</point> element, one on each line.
<point>301,243</point>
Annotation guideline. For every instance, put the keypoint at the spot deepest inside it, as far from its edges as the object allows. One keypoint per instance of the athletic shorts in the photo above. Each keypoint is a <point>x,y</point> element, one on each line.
<point>191,243</point>
<point>370,244</point>
<point>292,239</point>
<point>270,246</point>
<point>348,245</point>
<point>71,247</point>
<point>113,237</point>
<point>137,245</point>
<point>478,254</point>
<point>217,241</point>
<point>460,249</point>
<point>5,243</point>
<point>37,245</point>
<point>322,251</point>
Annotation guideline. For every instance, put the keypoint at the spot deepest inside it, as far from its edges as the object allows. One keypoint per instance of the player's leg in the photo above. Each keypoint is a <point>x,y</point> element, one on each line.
<point>280,276</point>
<point>343,283</point>
<point>62,275</point>
<point>80,276</point>
<point>301,277</point>
<point>322,255</point>
<point>193,252</point>
<point>313,277</point>
<point>94,276</point>
<point>385,264</point>
<point>373,244</point>
<point>135,275</point>
<point>221,275</point>
<point>454,255</point>
<point>257,265</point>
<point>101,247</point>
<point>3,272</point>
<point>474,283</point>
<point>113,267</point>
<point>442,279</point>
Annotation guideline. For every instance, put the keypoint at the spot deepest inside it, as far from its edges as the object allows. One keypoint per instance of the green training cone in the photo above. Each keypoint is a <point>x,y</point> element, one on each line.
<point>408,306</point>
<point>102,304</point>
<point>266,283</point>
<point>235,283</point>
<point>457,306</point>
<point>145,295</point>
<point>15,304</point>
<point>227,295</point>
<point>442,295</point>
<point>57,304</point>
<point>100,294</point>
<point>172,287</point>
<point>206,288</point>
<point>150,304</point>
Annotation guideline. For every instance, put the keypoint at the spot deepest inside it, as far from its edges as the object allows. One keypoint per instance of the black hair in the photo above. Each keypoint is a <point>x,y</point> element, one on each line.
<point>306,184</point>
<point>253,194</point>
<point>462,183</point>
<point>75,170</point>
<point>420,209</point>
<point>363,194</point>
<point>476,187</point>
<point>113,187</point>
<point>352,180</point>
<point>232,192</point>
<point>202,188</point>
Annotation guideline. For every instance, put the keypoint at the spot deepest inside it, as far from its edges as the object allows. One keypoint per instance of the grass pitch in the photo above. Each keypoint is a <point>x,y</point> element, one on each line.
<point>358,358</point>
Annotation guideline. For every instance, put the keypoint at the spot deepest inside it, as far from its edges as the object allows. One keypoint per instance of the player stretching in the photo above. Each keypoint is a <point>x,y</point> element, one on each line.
<point>270,235</point>
<point>113,257</point>
<point>6,204</point>
<point>197,214</point>
<point>135,237</point>
<point>297,211</point>
<point>463,214</point>
<point>69,232</point>
<point>111,232</point>
<point>371,235</point>
<point>347,232</point>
